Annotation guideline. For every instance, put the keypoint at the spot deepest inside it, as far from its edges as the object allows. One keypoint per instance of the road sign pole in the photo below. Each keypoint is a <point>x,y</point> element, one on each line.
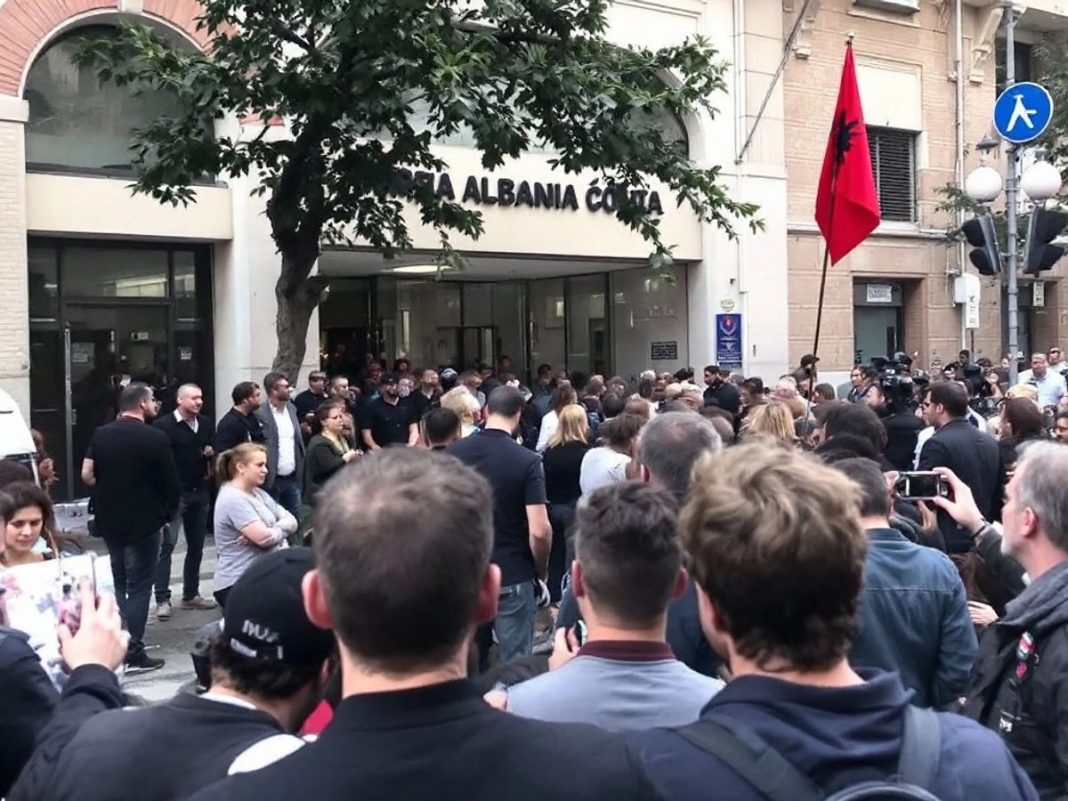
<point>1011,191</point>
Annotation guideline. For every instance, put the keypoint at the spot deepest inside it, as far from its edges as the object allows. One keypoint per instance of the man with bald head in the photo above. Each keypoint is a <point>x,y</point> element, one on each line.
<point>1050,383</point>
<point>190,434</point>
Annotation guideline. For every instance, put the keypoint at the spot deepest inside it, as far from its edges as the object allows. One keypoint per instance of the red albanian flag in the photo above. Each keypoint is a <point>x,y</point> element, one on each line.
<point>847,205</point>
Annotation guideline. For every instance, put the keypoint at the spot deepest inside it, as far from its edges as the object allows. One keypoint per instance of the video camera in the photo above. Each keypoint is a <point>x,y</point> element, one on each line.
<point>894,378</point>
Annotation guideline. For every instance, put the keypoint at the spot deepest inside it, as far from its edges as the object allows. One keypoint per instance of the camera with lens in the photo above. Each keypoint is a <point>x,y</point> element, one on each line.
<point>899,390</point>
<point>893,377</point>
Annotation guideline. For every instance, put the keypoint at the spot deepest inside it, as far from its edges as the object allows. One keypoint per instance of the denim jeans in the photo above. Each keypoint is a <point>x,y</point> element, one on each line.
<point>515,621</point>
<point>133,567</point>
<point>286,492</point>
<point>562,554</point>
<point>193,515</point>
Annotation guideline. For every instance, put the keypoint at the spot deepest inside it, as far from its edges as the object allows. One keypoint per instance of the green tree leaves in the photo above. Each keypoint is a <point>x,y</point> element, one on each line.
<point>344,77</point>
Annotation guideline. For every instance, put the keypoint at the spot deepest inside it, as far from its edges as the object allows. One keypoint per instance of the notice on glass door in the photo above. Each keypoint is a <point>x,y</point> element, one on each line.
<point>81,353</point>
<point>664,351</point>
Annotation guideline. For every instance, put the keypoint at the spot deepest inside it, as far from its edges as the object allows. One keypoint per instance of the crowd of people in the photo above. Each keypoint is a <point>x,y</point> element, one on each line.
<point>457,586</point>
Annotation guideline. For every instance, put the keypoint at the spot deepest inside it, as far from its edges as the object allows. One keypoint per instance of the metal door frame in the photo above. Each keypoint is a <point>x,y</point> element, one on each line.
<point>166,304</point>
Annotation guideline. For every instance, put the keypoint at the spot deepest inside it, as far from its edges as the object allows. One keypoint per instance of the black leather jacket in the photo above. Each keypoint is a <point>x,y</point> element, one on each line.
<point>1020,684</point>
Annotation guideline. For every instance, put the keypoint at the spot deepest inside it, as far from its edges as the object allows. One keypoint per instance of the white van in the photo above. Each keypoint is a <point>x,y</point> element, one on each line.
<point>16,442</point>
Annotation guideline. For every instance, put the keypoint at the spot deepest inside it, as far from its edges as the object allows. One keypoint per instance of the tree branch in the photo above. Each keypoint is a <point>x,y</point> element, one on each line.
<point>266,127</point>
<point>505,38</point>
<point>289,35</point>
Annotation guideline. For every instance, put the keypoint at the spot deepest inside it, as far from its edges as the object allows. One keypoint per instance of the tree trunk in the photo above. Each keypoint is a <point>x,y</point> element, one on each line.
<point>297,293</point>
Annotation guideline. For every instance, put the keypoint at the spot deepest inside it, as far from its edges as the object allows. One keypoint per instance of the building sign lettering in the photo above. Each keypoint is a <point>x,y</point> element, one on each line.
<point>664,351</point>
<point>484,191</point>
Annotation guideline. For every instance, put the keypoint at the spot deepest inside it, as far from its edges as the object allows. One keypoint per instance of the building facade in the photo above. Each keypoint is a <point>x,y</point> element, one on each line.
<point>928,74</point>
<point>100,286</point>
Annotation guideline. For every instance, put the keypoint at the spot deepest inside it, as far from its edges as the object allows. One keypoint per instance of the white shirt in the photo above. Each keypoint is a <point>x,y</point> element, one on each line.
<point>921,440</point>
<point>1050,389</point>
<point>549,423</point>
<point>602,467</point>
<point>287,449</point>
<point>194,424</point>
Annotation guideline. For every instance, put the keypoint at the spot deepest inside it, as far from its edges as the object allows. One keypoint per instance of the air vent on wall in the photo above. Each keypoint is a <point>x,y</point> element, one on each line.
<point>893,6</point>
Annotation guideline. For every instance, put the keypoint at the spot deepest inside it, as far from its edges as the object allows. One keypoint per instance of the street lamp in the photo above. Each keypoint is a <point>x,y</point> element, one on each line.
<point>983,184</point>
<point>1040,182</point>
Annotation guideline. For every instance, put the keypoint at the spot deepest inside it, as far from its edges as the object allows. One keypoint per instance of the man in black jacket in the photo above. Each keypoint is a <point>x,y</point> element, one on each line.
<point>37,723</point>
<point>309,400</point>
<point>974,457</point>
<point>1020,684</point>
<point>190,434</point>
<point>130,467</point>
<point>27,698</point>
<point>721,392</point>
<point>240,424</point>
<point>268,667</point>
<point>410,725</point>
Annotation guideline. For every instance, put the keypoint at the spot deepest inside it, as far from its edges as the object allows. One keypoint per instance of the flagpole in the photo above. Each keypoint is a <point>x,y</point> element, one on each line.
<point>823,286</point>
<point>826,262</point>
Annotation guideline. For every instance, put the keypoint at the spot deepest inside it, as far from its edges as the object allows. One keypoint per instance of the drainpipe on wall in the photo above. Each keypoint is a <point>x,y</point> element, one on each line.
<point>739,168</point>
<point>959,34</point>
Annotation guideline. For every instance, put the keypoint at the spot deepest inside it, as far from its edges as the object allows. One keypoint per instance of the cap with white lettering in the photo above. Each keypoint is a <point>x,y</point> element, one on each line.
<point>265,618</point>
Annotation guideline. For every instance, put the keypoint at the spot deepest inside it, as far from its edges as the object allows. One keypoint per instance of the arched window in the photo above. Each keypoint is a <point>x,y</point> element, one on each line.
<point>78,122</point>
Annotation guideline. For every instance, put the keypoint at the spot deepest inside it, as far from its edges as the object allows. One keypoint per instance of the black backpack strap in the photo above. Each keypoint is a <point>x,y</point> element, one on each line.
<point>754,760</point>
<point>920,747</point>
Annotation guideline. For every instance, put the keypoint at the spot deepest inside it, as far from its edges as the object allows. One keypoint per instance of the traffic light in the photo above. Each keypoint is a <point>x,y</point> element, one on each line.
<point>1044,228</point>
<point>979,231</point>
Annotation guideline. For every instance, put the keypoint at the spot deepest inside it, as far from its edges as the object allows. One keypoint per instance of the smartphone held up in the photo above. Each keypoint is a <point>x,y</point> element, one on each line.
<point>921,485</point>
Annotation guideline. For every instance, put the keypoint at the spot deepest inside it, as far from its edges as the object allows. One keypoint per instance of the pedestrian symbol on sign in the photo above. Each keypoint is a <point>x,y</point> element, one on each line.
<point>1020,113</point>
<point>1023,112</point>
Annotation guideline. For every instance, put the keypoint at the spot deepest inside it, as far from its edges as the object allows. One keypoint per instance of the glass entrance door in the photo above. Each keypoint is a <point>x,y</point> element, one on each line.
<point>876,332</point>
<point>105,348</point>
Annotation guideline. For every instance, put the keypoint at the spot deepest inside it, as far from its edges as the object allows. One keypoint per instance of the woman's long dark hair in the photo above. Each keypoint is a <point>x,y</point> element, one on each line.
<point>23,494</point>
<point>1024,418</point>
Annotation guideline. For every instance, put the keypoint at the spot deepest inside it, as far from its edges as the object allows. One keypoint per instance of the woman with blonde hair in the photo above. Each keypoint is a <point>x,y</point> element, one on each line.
<point>563,396</point>
<point>771,421</point>
<point>248,521</point>
<point>465,405</point>
<point>562,461</point>
<point>1023,391</point>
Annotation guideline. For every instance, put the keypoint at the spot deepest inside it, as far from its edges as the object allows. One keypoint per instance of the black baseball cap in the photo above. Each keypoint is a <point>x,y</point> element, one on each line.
<point>389,378</point>
<point>265,618</point>
<point>809,359</point>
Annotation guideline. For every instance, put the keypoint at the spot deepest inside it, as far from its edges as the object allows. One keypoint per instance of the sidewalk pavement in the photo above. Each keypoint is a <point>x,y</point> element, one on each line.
<point>171,639</point>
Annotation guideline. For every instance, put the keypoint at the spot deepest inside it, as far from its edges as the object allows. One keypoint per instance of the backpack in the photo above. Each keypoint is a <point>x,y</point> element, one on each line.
<point>777,779</point>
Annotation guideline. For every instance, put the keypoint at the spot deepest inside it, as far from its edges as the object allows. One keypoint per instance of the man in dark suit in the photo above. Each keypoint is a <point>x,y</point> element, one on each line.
<point>410,725</point>
<point>130,467</point>
<point>284,443</point>
<point>971,454</point>
<point>190,434</point>
<point>721,392</point>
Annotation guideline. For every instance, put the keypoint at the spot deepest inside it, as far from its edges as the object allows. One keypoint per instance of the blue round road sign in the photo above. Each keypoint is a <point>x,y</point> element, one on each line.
<point>1022,112</point>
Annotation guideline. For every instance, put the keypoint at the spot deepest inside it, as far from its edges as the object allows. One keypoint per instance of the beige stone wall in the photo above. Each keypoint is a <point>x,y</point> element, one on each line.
<point>14,287</point>
<point>906,65</point>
